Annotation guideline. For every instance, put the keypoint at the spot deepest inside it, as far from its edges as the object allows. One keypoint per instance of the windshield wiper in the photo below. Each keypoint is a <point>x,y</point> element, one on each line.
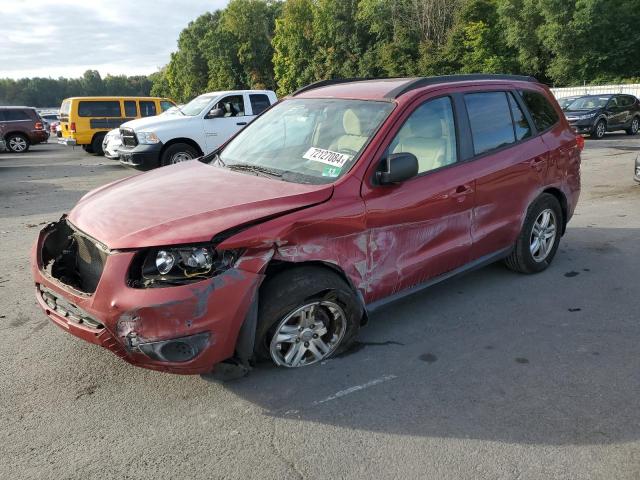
<point>257,169</point>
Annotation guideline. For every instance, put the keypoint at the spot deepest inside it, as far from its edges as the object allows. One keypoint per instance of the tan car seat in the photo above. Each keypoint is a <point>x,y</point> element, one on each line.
<point>424,139</point>
<point>352,140</point>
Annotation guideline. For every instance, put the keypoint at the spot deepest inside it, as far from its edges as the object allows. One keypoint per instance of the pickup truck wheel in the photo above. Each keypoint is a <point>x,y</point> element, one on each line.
<point>177,153</point>
<point>634,127</point>
<point>17,143</point>
<point>599,130</point>
<point>305,315</point>
<point>539,238</point>
<point>96,144</point>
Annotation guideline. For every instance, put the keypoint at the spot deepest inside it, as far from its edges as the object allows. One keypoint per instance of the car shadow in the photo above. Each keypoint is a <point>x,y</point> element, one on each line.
<point>534,359</point>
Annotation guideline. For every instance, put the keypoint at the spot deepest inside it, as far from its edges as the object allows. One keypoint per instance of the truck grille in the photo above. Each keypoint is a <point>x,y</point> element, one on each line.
<point>129,138</point>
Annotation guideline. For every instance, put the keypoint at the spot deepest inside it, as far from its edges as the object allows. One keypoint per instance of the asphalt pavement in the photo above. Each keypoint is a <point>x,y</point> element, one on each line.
<point>493,375</point>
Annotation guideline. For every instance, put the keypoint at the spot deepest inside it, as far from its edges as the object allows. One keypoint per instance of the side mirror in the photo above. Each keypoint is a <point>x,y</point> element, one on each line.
<point>399,167</point>
<point>215,113</point>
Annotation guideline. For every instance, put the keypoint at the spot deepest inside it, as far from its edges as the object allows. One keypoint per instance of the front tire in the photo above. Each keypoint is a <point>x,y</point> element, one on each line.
<point>17,143</point>
<point>634,127</point>
<point>305,315</point>
<point>177,153</point>
<point>599,130</point>
<point>539,238</point>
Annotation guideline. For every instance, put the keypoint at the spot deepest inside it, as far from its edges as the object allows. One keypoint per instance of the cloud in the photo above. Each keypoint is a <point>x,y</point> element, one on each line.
<point>66,37</point>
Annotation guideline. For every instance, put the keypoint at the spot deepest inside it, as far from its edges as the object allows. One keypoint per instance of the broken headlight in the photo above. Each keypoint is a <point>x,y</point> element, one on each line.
<point>180,265</point>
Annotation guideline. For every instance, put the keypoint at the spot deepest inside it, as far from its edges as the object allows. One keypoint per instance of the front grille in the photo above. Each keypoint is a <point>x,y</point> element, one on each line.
<point>90,262</point>
<point>129,138</point>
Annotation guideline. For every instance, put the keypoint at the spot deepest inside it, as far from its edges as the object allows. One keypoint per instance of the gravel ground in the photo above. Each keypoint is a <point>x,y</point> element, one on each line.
<point>493,375</point>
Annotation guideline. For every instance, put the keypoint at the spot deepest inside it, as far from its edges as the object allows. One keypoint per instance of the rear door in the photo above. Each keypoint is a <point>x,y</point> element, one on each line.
<point>510,164</point>
<point>421,228</point>
<point>218,130</point>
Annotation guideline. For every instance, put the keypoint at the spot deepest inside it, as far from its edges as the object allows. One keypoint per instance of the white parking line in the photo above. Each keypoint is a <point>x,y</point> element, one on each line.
<point>356,388</point>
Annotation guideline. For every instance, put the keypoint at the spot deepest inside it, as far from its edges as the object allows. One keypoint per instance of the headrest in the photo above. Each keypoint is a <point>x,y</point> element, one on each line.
<point>351,123</point>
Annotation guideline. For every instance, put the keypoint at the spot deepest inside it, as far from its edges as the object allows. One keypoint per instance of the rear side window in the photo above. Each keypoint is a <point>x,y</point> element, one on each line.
<point>625,101</point>
<point>15,115</point>
<point>165,105</point>
<point>490,120</point>
<point>520,124</point>
<point>99,109</point>
<point>147,108</point>
<point>259,103</point>
<point>130,109</point>
<point>544,115</point>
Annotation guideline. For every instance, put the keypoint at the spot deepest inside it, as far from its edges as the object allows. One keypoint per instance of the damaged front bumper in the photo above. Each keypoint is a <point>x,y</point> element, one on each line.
<point>180,329</point>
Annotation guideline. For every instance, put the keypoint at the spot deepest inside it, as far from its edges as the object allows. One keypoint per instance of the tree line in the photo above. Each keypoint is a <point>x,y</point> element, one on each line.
<point>283,45</point>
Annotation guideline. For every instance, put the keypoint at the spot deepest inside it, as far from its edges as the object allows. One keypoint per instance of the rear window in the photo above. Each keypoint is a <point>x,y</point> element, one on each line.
<point>166,105</point>
<point>490,120</point>
<point>259,103</point>
<point>544,115</point>
<point>99,109</point>
<point>147,109</point>
<point>14,115</point>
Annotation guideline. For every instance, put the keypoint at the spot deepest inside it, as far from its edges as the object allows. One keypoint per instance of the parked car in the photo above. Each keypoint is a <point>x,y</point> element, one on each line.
<point>636,170</point>
<point>49,119</point>
<point>111,144</point>
<point>86,120</point>
<point>201,126</point>
<point>3,144</point>
<point>597,114</point>
<point>566,101</point>
<point>338,200</point>
<point>23,127</point>
<point>53,128</point>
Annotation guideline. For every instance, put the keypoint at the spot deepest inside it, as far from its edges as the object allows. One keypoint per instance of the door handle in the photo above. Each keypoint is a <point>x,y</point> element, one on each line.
<point>461,191</point>
<point>241,123</point>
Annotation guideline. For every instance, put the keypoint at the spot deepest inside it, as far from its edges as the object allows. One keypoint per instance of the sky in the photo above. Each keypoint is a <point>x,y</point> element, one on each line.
<point>64,38</point>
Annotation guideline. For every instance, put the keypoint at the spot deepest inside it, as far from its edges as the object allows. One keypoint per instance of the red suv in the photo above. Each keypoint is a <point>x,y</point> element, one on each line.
<point>337,200</point>
<point>22,127</point>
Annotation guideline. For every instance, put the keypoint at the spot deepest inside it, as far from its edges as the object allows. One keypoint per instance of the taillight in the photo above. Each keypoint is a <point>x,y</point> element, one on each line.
<point>580,142</point>
<point>39,126</point>
<point>73,127</point>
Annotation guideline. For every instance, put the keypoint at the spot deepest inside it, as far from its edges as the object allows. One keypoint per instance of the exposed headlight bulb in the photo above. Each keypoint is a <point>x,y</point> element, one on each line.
<point>200,258</point>
<point>165,261</point>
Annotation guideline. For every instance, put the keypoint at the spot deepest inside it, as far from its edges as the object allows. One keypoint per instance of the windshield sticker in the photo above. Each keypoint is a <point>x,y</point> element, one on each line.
<point>328,157</point>
<point>331,171</point>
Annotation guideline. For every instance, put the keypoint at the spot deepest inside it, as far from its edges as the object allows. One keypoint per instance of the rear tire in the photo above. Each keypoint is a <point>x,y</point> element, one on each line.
<point>634,127</point>
<point>177,153</point>
<point>87,148</point>
<point>312,306</point>
<point>17,143</point>
<point>537,243</point>
<point>96,144</point>
<point>599,130</point>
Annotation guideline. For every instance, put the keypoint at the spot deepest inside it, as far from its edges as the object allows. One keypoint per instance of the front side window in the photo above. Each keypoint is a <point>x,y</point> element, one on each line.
<point>87,108</point>
<point>490,120</point>
<point>233,106</point>
<point>259,103</point>
<point>147,108</point>
<point>306,140</point>
<point>430,134</point>
<point>130,109</point>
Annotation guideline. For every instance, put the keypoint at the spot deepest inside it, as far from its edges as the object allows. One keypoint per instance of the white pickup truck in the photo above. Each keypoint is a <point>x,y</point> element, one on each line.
<point>197,128</point>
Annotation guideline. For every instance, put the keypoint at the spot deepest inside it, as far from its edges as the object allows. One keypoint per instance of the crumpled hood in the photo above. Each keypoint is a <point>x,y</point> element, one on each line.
<point>185,203</point>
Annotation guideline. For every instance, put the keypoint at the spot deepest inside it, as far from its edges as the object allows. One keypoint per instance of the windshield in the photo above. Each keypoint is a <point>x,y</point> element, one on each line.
<point>307,140</point>
<point>565,102</point>
<point>589,103</point>
<point>195,106</point>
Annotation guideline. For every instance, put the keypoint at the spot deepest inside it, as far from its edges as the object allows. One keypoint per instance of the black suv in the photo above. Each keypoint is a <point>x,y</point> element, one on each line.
<point>599,114</point>
<point>22,127</point>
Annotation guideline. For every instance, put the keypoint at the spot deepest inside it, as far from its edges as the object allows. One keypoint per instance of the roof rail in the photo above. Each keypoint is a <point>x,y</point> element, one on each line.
<point>331,81</point>
<point>425,81</point>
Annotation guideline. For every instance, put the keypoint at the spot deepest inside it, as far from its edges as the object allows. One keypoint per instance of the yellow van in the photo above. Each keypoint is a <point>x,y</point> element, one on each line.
<point>85,121</point>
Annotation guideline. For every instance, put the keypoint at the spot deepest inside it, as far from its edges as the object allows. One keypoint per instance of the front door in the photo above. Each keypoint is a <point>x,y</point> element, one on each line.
<point>420,229</point>
<point>218,130</point>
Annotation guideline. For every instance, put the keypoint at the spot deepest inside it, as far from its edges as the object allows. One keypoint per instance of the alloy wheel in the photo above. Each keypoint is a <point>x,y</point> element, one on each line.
<point>635,125</point>
<point>309,334</point>
<point>601,129</point>
<point>543,235</point>
<point>17,144</point>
